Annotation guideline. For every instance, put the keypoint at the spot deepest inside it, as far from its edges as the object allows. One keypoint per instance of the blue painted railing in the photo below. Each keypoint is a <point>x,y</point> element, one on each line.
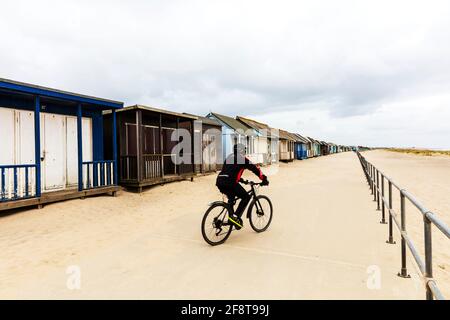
<point>98,174</point>
<point>17,182</point>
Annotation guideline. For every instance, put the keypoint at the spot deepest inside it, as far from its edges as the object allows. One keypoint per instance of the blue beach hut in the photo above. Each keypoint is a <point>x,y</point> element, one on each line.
<point>52,145</point>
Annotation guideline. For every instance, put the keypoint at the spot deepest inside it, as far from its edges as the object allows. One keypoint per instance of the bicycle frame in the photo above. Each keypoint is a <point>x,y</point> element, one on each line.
<point>254,197</point>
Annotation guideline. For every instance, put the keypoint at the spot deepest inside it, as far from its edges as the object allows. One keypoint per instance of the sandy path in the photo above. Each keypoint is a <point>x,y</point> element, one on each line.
<point>324,236</point>
<point>428,179</point>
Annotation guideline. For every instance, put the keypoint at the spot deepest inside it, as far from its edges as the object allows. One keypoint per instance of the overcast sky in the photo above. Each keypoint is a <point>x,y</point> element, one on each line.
<point>352,72</point>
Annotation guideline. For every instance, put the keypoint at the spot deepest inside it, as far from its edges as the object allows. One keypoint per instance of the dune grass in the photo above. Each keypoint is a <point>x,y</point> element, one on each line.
<point>420,152</point>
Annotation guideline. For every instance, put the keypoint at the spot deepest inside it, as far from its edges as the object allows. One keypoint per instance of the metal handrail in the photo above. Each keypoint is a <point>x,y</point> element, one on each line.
<point>373,176</point>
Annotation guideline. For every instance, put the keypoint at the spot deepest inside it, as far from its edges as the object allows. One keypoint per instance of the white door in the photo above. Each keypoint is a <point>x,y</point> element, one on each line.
<point>53,151</point>
<point>25,137</point>
<point>68,145</point>
<point>7,134</point>
<point>7,153</point>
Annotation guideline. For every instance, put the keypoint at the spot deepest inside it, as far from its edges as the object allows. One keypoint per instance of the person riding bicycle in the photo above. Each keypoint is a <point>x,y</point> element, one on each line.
<point>229,177</point>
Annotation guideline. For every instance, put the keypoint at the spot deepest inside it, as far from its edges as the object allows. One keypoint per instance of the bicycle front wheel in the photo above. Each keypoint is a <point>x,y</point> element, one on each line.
<point>215,226</point>
<point>260,213</point>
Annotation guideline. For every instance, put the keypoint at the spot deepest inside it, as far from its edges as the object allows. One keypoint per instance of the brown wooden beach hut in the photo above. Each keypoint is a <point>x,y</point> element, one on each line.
<point>147,138</point>
<point>324,148</point>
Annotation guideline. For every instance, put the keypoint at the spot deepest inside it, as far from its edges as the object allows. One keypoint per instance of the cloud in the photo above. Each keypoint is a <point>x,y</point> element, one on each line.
<point>341,61</point>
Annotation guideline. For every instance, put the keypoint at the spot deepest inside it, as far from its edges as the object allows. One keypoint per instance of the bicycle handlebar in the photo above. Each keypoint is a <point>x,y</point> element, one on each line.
<point>252,183</point>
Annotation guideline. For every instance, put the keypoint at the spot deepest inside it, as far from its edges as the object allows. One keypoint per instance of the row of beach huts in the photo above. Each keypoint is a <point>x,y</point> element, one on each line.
<point>59,145</point>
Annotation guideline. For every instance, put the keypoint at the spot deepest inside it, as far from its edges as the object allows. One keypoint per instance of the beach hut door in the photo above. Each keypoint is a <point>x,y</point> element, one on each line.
<point>52,151</point>
<point>7,134</point>
<point>59,151</point>
<point>72,148</point>
<point>209,153</point>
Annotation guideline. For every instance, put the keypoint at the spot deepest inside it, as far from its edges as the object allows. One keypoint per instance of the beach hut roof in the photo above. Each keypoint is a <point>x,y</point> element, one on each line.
<point>308,140</point>
<point>313,140</point>
<point>285,135</point>
<point>50,93</point>
<point>301,138</point>
<point>235,124</point>
<point>295,137</point>
<point>259,126</point>
<point>205,120</point>
<point>152,109</point>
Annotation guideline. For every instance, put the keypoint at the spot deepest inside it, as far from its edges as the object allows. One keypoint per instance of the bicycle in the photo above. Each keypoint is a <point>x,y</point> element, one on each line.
<point>215,221</point>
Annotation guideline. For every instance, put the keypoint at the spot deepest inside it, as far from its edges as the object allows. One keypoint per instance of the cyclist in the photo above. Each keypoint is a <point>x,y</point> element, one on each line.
<point>229,177</point>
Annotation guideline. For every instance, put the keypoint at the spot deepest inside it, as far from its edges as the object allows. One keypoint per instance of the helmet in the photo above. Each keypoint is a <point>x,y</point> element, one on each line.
<point>239,148</point>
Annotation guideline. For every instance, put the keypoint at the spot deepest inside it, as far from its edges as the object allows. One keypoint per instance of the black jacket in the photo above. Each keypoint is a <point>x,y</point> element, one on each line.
<point>232,170</point>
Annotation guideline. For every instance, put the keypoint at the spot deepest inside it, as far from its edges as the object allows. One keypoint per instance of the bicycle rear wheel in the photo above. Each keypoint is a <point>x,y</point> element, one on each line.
<point>260,213</point>
<point>215,226</point>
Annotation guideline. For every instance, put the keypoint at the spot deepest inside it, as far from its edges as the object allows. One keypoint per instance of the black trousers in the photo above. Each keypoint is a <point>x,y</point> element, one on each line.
<point>236,191</point>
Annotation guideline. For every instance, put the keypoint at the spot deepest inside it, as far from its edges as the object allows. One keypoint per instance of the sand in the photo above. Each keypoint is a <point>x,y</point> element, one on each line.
<point>428,179</point>
<point>325,242</point>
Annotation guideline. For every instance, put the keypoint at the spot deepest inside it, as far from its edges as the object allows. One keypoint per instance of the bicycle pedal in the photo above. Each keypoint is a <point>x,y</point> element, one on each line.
<point>237,222</point>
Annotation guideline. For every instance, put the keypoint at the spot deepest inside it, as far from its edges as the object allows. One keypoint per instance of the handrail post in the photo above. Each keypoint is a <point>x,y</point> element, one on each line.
<point>373,185</point>
<point>378,190</point>
<point>428,254</point>
<point>403,272</point>
<point>370,178</point>
<point>366,165</point>
<point>391,237</point>
<point>383,206</point>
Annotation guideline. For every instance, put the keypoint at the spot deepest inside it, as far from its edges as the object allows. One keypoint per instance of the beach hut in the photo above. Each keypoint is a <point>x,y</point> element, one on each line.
<point>207,144</point>
<point>309,147</point>
<point>265,152</point>
<point>286,142</point>
<point>315,147</point>
<point>331,148</point>
<point>52,145</point>
<point>324,148</point>
<point>233,132</point>
<point>301,147</point>
<point>148,142</point>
